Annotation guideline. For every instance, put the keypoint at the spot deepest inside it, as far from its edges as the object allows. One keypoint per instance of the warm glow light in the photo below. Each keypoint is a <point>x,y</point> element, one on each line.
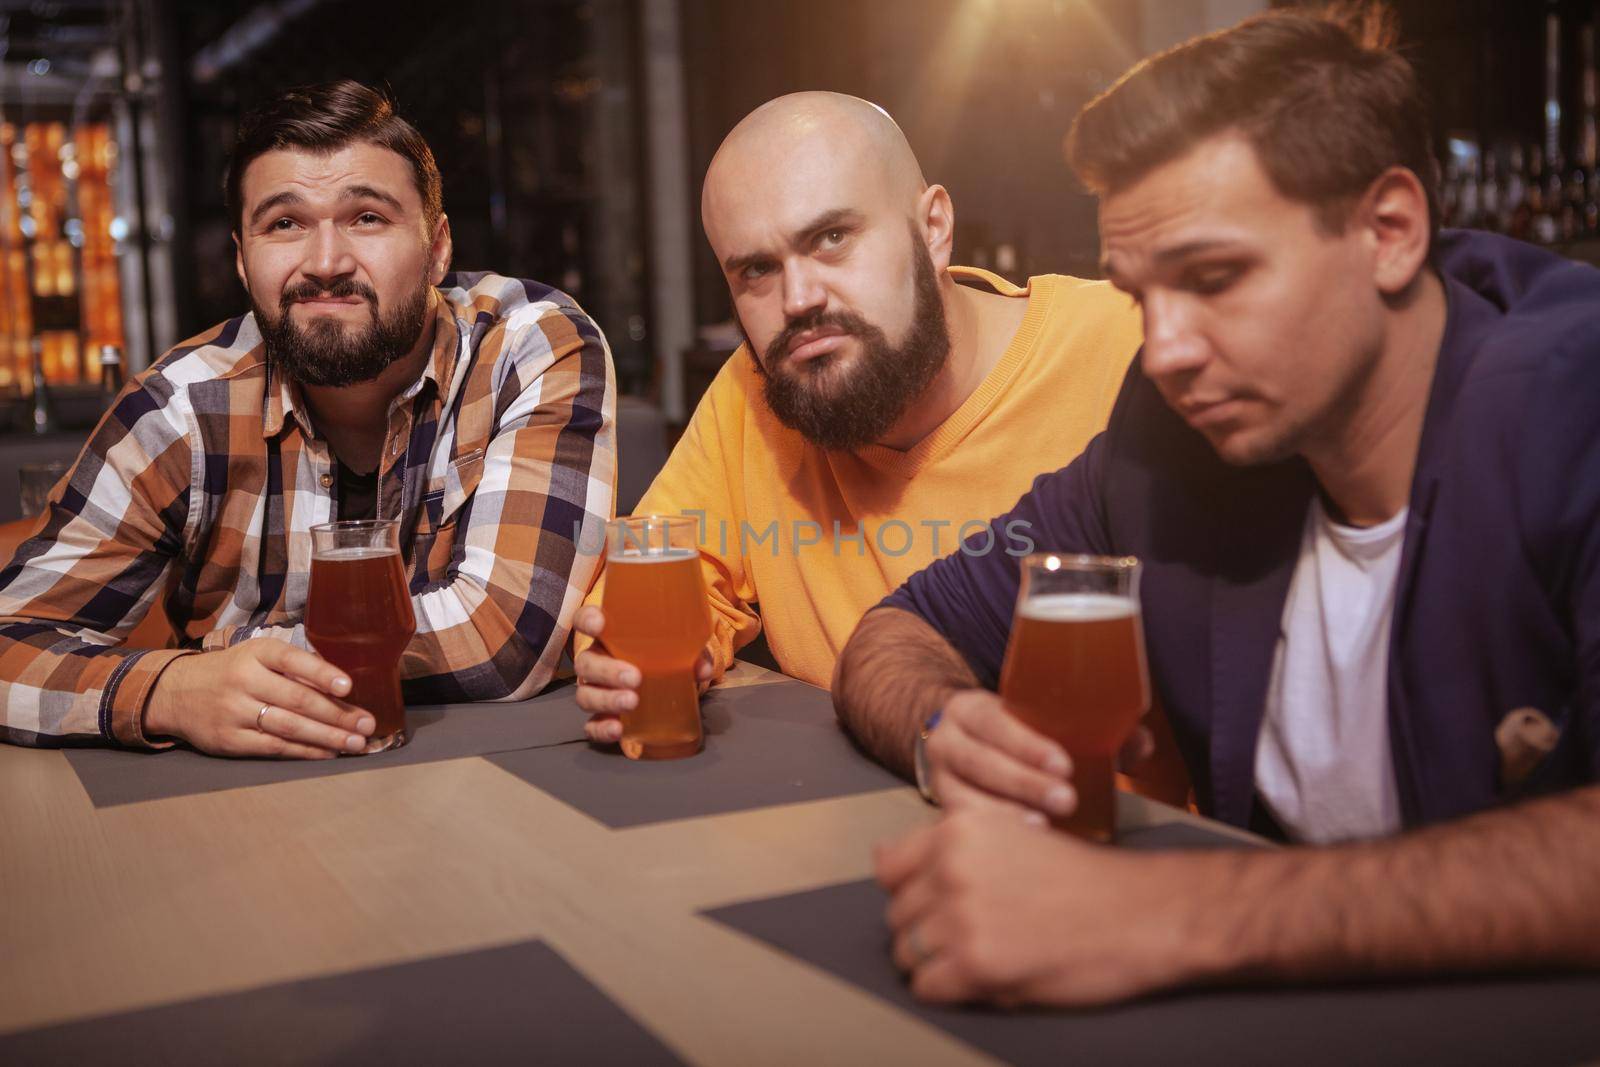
<point>942,87</point>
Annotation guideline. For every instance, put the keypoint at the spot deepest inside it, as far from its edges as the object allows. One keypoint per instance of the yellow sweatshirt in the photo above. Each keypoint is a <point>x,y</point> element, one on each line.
<point>813,539</point>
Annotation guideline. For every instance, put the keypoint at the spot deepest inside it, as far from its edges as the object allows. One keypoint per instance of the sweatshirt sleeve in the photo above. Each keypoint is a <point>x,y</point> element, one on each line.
<point>969,596</point>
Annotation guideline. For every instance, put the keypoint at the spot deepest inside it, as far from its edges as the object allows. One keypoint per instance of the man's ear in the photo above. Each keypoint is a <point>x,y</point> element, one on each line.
<point>440,251</point>
<point>1394,215</point>
<point>238,261</point>
<point>936,216</point>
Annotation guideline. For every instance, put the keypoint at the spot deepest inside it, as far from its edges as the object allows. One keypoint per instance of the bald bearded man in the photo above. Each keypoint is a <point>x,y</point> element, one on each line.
<point>883,402</point>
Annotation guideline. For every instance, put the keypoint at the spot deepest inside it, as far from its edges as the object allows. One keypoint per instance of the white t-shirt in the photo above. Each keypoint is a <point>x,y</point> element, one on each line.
<point>1323,763</point>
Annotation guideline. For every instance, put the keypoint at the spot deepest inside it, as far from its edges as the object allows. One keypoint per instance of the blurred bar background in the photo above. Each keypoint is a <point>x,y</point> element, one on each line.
<point>573,134</point>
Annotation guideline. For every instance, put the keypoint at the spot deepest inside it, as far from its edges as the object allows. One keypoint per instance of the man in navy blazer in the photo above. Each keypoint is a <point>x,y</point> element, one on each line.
<point>1360,461</point>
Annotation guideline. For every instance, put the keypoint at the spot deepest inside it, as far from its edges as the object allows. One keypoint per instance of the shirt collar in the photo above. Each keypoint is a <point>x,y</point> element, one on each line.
<point>441,365</point>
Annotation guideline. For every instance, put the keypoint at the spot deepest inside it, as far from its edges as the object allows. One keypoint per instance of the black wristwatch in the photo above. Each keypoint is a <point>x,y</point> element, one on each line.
<point>919,758</point>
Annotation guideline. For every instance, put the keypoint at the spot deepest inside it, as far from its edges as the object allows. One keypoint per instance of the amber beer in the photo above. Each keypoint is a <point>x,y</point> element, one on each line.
<point>658,620</point>
<point>1075,671</point>
<point>359,617</point>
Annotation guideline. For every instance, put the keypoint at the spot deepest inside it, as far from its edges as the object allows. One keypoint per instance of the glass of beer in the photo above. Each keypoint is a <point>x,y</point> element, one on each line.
<point>1075,671</point>
<point>35,480</point>
<point>658,620</point>
<point>359,617</point>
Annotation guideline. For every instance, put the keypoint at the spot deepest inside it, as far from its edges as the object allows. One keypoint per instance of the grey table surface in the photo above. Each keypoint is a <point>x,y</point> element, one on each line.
<point>736,927</point>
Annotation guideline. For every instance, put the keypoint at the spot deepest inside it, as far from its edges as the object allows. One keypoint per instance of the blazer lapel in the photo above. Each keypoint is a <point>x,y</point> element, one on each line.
<point>1470,317</point>
<point>1263,524</point>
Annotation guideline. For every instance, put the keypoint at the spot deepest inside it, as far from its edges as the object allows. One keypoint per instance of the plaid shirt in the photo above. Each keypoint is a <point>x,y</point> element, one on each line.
<point>200,486</point>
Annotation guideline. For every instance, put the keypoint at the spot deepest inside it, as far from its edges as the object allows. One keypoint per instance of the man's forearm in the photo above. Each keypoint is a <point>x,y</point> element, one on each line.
<point>895,671</point>
<point>97,692</point>
<point>1503,890</point>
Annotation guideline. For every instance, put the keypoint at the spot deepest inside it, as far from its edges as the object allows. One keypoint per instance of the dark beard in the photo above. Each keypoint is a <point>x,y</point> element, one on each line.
<point>322,354</point>
<point>841,409</point>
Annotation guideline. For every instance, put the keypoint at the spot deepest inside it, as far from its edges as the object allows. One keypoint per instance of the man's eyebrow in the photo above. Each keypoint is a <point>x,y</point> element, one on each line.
<point>839,216</point>
<point>833,217</point>
<point>737,264</point>
<point>273,202</point>
<point>1173,254</point>
<point>288,198</point>
<point>1190,248</point>
<point>367,192</point>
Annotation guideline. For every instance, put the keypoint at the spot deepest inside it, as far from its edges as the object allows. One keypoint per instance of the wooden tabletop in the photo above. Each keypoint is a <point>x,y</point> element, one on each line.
<point>111,909</point>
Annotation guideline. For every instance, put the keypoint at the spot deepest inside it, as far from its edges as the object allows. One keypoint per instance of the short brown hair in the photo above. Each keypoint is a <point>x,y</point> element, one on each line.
<point>1322,97</point>
<point>325,118</point>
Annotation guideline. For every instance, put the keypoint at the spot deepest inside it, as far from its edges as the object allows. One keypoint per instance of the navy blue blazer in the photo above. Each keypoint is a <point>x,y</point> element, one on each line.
<point>1498,600</point>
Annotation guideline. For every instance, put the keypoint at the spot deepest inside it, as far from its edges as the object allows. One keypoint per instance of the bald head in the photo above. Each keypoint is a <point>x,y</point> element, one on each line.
<point>842,145</point>
<point>834,250</point>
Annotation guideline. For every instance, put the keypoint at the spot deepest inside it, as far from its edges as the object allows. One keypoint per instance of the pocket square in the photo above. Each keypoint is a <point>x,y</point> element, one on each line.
<point>1524,737</point>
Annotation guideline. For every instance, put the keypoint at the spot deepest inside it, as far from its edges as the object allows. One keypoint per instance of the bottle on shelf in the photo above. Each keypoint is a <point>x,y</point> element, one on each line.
<point>1556,224</point>
<point>1489,205</point>
<point>1591,206</point>
<point>1541,219</point>
<point>111,376</point>
<point>1547,175</point>
<point>1583,186</point>
<point>1469,204</point>
<point>42,420</point>
<point>1573,208</point>
<point>1450,194</point>
<point>1514,207</point>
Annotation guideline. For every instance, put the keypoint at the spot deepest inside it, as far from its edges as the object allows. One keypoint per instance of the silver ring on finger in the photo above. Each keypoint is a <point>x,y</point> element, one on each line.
<point>261,715</point>
<point>920,953</point>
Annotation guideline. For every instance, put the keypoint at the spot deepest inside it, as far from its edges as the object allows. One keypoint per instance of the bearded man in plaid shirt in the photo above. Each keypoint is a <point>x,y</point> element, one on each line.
<point>478,411</point>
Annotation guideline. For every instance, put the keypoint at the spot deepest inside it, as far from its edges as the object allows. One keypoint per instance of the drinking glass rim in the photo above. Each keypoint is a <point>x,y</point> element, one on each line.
<point>1081,561</point>
<point>664,520</point>
<point>642,531</point>
<point>354,524</point>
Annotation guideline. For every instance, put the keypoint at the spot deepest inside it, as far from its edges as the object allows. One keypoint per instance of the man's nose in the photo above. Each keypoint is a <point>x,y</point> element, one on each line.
<point>803,290</point>
<point>1172,343</point>
<point>329,256</point>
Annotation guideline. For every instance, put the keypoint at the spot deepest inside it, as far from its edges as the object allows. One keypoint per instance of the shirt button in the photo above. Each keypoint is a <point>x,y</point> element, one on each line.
<point>326,481</point>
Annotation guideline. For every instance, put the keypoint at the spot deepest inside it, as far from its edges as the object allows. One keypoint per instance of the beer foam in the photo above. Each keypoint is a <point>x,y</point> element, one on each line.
<point>354,552</point>
<point>1078,607</point>
<point>655,555</point>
